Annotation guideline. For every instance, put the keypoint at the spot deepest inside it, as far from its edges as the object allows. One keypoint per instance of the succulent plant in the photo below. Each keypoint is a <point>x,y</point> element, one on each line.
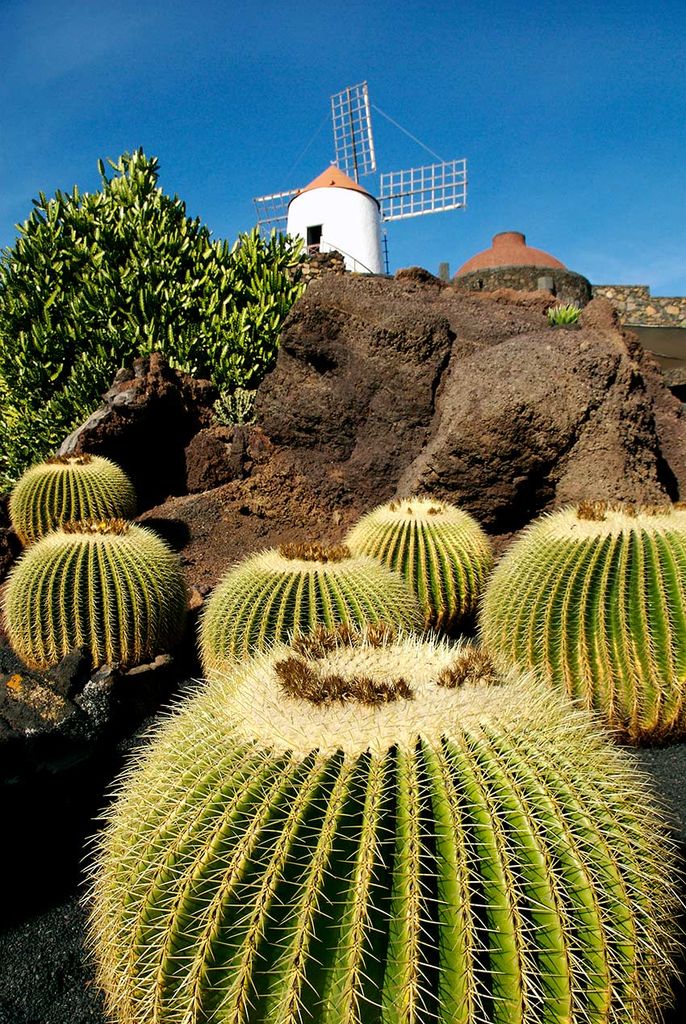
<point>293,590</point>
<point>382,834</point>
<point>563,314</point>
<point>594,598</point>
<point>441,552</point>
<point>108,585</point>
<point>66,489</point>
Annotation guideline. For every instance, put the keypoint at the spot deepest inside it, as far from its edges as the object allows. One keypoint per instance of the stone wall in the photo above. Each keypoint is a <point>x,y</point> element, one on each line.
<point>636,305</point>
<point>318,263</point>
<point>565,285</point>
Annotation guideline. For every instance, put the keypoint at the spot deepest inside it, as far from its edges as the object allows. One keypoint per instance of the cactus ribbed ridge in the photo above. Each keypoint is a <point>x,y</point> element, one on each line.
<point>295,589</point>
<point>441,552</point>
<point>453,854</point>
<point>594,599</point>
<point>69,488</point>
<point>109,585</point>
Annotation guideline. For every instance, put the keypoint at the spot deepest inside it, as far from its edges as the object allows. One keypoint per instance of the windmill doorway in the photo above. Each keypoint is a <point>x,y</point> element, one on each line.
<point>314,237</point>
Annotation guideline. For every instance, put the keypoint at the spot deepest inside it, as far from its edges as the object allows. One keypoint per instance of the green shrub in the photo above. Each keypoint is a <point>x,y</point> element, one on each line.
<point>69,488</point>
<point>108,585</point>
<point>441,552</point>
<point>296,589</point>
<point>568,314</point>
<point>94,280</point>
<point>594,599</point>
<point>382,835</point>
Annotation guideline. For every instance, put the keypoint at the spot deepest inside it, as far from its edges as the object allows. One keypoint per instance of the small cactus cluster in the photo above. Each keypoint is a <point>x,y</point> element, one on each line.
<point>294,589</point>
<point>67,489</point>
<point>441,552</point>
<point>381,831</point>
<point>594,599</point>
<point>108,585</point>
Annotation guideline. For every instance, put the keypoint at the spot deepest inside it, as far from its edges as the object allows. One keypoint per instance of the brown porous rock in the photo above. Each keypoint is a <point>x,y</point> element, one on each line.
<point>147,419</point>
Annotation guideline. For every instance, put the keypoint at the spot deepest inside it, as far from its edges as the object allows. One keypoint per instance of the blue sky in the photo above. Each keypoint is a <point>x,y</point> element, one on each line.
<point>571,116</point>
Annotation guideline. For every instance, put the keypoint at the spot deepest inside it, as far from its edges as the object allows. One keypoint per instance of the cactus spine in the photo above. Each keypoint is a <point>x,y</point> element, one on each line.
<point>441,551</point>
<point>408,843</point>
<point>295,589</point>
<point>595,600</point>
<point>66,489</point>
<point>109,585</point>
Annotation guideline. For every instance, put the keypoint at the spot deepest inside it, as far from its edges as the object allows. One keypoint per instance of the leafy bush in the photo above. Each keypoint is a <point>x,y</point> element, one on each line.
<point>94,280</point>
<point>568,314</point>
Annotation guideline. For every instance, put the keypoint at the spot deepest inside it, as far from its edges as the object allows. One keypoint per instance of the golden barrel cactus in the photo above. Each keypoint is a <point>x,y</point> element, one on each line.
<point>381,832</point>
<point>109,585</point>
<point>441,552</point>
<point>68,488</point>
<point>594,599</point>
<point>294,590</point>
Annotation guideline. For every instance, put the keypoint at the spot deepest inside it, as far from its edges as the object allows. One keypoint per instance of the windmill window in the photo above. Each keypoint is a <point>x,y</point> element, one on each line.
<point>314,236</point>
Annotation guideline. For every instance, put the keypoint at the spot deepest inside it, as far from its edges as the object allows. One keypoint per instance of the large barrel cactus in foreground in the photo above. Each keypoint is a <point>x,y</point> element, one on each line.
<point>594,599</point>
<point>381,834</point>
<point>108,585</point>
<point>441,551</point>
<point>68,488</point>
<point>296,589</point>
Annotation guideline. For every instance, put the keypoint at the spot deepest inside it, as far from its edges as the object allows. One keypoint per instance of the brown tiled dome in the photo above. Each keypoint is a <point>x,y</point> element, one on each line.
<point>509,249</point>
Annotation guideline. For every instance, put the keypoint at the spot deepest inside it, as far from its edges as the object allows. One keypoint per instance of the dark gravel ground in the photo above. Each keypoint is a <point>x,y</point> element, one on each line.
<point>45,975</point>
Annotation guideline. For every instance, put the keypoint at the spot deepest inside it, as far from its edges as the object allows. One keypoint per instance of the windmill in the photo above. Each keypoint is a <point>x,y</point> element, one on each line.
<point>335,212</point>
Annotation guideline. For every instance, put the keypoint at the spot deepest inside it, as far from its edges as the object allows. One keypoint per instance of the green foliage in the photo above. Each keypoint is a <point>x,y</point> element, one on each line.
<point>235,408</point>
<point>66,489</point>
<point>594,599</point>
<point>97,279</point>
<point>109,585</point>
<point>561,314</point>
<point>441,551</point>
<point>296,589</point>
<point>406,842</point>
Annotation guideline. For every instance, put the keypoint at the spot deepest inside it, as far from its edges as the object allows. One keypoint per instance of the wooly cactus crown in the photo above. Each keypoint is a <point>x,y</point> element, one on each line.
<point>294,589</point>
<point>441,551</point>
<point>595,600</point>
<point>107,584</point>
<point>381,834</point>
<point>69,488</point>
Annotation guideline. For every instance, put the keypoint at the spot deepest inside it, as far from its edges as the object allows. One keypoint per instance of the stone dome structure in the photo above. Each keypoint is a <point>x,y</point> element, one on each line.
<point>511,263</point>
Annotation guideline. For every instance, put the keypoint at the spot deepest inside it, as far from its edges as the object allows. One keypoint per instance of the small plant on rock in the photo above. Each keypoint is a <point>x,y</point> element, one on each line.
<point>68,488</point>
<point>293,590</point>
<point>108,585</point>
<point>563,314</point>
<point>441,552</point>
<point>235,408</point>
<point>594,599</point>
<point>378,831</point>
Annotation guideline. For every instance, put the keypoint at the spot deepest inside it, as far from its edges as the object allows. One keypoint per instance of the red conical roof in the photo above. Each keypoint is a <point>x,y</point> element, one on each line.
<point>333,177</point>
<point>509,249</point>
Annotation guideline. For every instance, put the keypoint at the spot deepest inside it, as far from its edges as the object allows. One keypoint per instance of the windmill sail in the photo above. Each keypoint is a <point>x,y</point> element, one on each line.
<point>419,190</point>
<point>272,210</point>
<point>352,131</point>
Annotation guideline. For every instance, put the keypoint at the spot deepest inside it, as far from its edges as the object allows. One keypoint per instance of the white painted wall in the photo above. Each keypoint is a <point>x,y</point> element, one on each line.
<point>350,223</point>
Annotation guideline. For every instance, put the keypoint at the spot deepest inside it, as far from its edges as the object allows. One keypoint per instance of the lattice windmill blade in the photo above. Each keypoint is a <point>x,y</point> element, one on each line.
<point>272,210</point>
<point>419,190</point>
<point>352,131</point>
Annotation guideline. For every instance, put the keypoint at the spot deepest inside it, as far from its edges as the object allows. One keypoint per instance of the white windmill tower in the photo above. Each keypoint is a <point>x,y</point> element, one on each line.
<point>335,212</point>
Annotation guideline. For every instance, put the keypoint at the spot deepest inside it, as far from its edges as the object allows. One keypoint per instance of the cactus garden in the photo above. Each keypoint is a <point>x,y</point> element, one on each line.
<point>351,709</point>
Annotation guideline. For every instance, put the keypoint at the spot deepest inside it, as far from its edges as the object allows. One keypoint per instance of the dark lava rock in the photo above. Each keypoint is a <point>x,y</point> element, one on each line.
<point>216,455</point>
<point>409,385</point>
<point>148,418</point>
<point>53,720</point>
